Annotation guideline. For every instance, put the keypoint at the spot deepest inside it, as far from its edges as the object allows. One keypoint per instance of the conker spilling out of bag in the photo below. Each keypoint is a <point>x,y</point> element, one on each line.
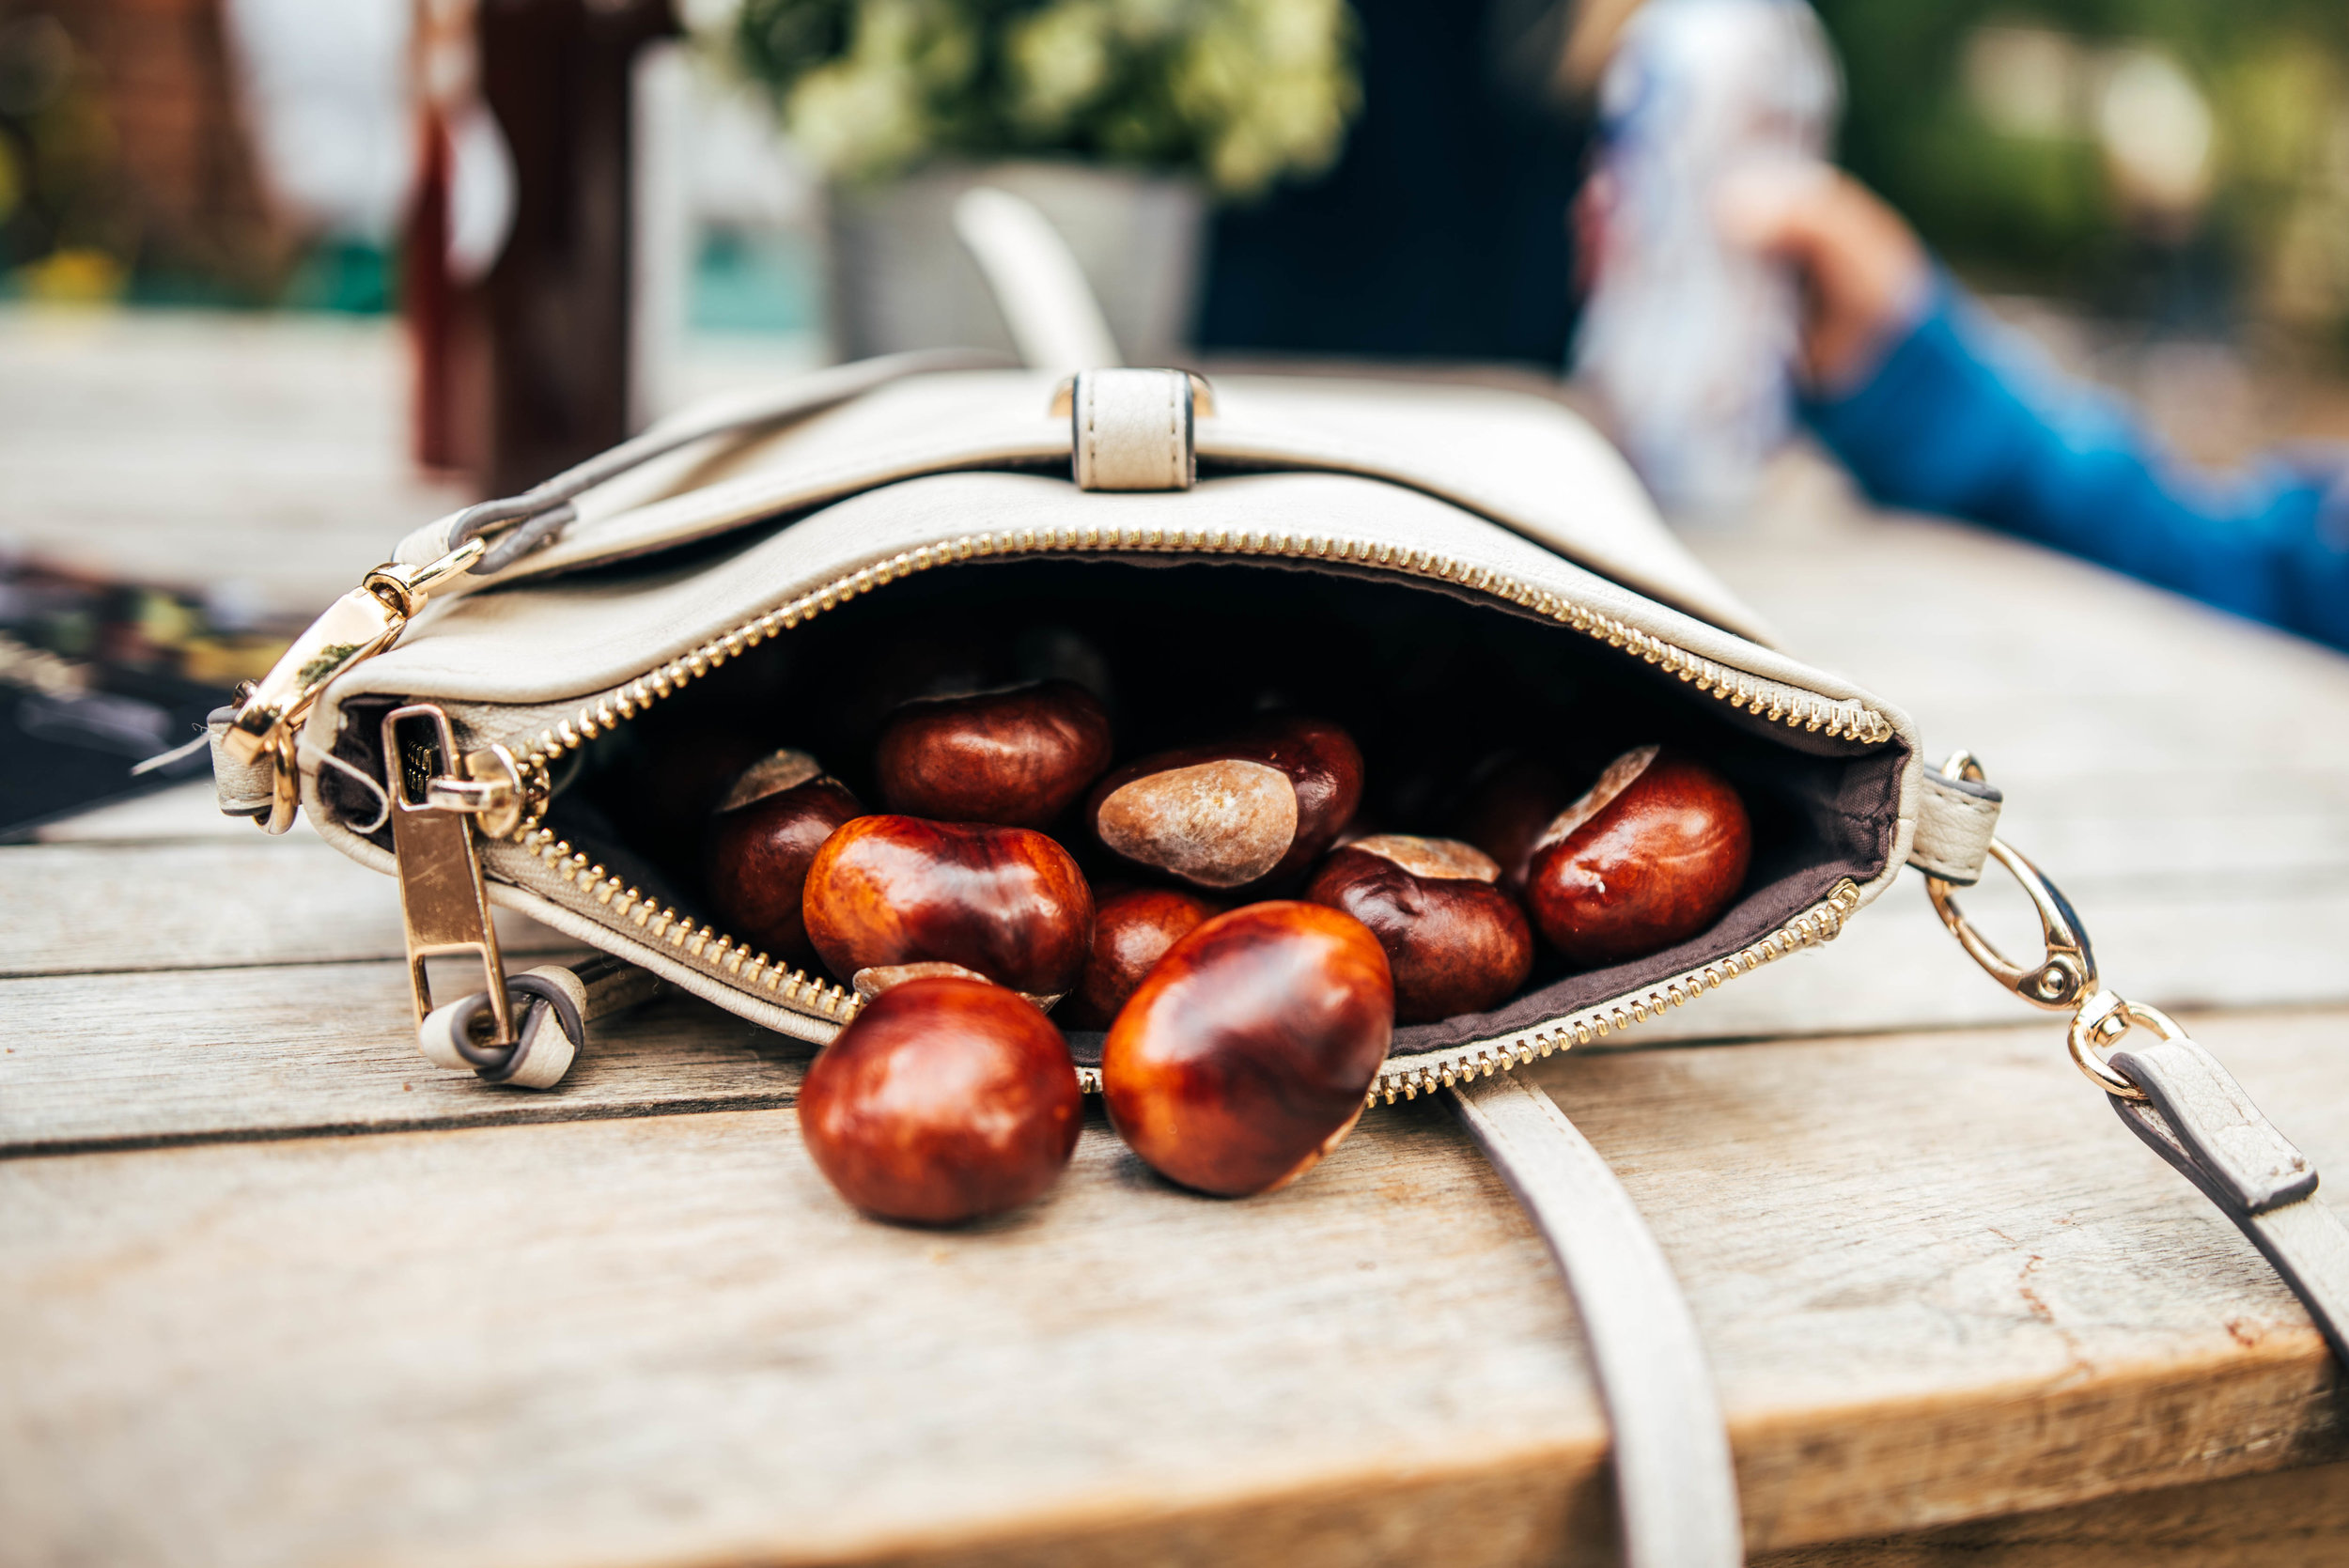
<point>1219,871</point>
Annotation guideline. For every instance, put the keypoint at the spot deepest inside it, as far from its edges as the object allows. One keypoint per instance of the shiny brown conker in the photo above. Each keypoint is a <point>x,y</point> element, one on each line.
<point>760,843</point>
<point>1019,756</point>
<point>1455,941</point>
<point>1245,1055</point>
<point>1132,930</point>
<point>1005,902</point>
<point>1506,810</point>
<point>944,1100</point>
<point>1649,857</point>
<point>1239,812</point>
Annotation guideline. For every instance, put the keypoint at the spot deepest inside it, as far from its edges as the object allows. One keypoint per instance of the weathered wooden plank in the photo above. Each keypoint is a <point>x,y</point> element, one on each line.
<point>2178,945</point>
<point>268,451</point>
<point>665,1341</point>
<point>1942,1261</point>
<point>180,811</point>
<point>2290,1520</point>
<point>109,907</point>
<point>1977,1297</point>
<point>209,1054</point>
<point>2049,668</point>
<point>228,1052</point>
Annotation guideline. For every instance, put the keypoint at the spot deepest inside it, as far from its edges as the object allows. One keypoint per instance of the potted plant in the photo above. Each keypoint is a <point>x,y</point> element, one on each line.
<point>1119,118</point>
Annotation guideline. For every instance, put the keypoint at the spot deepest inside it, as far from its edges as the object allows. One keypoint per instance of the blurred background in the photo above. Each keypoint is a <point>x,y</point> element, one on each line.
<point>281,279</point>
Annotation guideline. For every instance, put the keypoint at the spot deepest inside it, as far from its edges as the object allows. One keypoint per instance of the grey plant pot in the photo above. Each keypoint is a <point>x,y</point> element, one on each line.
<point>901,279</point>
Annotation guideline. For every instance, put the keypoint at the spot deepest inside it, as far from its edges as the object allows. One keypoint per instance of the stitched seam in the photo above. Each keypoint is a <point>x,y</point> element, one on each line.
<point>1092,449</point>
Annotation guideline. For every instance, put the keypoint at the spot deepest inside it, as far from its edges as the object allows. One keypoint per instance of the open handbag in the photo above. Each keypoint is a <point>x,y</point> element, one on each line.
<point>1488,574</point>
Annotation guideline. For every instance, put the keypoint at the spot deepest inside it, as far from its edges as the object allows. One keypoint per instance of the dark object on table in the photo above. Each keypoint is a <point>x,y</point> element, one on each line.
<point>96,677</point>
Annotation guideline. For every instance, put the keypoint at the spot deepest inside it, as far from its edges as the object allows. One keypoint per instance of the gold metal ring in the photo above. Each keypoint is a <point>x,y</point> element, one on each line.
<point>2068,970</point>
<point>2103,1022</point>
<point>285,784</point>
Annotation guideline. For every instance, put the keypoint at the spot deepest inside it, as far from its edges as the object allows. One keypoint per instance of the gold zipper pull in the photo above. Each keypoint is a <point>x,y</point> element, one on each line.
<point>358,626</point>
<point>443,898</point>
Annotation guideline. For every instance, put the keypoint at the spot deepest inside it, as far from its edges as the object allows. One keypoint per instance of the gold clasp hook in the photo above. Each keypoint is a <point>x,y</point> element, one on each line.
<point>2064,980</point>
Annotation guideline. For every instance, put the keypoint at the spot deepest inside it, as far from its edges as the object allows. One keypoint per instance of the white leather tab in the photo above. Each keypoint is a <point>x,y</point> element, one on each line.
<point>1956,819</point>
<point>1131,430</point>
<point>243,788</point>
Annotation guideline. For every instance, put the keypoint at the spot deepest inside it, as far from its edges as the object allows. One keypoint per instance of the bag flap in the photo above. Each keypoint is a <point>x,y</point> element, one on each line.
<point>1527,464</point>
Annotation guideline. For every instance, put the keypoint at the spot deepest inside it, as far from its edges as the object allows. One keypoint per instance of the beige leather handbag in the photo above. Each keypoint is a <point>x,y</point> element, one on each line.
<point>1489,572</point>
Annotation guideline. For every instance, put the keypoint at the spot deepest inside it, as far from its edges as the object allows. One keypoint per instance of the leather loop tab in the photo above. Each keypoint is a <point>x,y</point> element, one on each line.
<point>2198,1118</point>
<point>243,788</point>
<point>2217,1125</point>
<point>1956,821</point>
<point>1131,430</point>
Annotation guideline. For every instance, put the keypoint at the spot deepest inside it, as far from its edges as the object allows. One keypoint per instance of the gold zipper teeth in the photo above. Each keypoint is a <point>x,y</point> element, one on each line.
<point>721,955</point>
<point>1821,923</point>
<point>705,943</point>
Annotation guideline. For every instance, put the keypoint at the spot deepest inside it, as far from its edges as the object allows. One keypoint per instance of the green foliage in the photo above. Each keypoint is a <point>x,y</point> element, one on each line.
<point>2040,210</point>
<point>1238,92</point>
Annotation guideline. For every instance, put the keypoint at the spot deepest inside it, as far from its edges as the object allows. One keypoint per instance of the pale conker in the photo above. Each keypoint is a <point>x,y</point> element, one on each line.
<point>1240,812</point>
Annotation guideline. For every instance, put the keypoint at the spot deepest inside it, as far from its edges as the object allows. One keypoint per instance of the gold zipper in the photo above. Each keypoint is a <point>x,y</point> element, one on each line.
<point>720,956</point>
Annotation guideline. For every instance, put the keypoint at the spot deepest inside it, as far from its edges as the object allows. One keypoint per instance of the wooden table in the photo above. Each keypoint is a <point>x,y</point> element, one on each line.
<point>274,1291</point>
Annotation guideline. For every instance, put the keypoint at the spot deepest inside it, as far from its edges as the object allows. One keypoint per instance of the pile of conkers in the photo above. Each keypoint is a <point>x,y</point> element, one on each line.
<point>1249,965</point>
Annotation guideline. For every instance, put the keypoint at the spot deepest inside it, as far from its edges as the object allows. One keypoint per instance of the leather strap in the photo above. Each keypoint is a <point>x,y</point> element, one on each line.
<point>1674,1483</point>
<point>1133,430</point>
<point>2196,1116</point>
<point>1956,819</point>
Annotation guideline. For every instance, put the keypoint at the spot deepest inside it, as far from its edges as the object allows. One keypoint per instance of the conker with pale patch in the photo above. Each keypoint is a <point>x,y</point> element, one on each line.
<point>1007,903</point>
<point>1455,942</point>
<point>760,843</point>
<point>1653,854</point>
<point>944,1100</point>
<point>1246,1054</point>
<point>1017,757</point>
<point>1238,813</point>
<point>1133,929</point>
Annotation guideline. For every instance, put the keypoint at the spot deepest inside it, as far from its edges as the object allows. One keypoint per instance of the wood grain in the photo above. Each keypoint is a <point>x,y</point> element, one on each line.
<point>118,908</point>
<point>228,1054</point>
<point>1978,1296</point>
<point>2292,1519</point>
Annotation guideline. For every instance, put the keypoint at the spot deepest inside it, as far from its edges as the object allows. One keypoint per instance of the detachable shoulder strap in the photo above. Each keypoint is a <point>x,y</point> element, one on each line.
<point>1674,1484</point>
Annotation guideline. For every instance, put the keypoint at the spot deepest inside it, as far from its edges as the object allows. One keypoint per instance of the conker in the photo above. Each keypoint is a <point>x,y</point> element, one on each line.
<point>1132,930</point>
<point>881,978</point>
<point>1506,811</point>
<point>1455,942</point>
<point>1250,809</point>
<point>1649,857</point>
<point>766,832</point>
<point>1007,903</point>
<point>1019,758</point>
<point>944,1100</point>
<point>1246,1052</point>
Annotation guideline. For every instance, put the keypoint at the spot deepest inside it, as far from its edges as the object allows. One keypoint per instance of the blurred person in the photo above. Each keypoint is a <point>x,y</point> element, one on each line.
<point>1936,408</point>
